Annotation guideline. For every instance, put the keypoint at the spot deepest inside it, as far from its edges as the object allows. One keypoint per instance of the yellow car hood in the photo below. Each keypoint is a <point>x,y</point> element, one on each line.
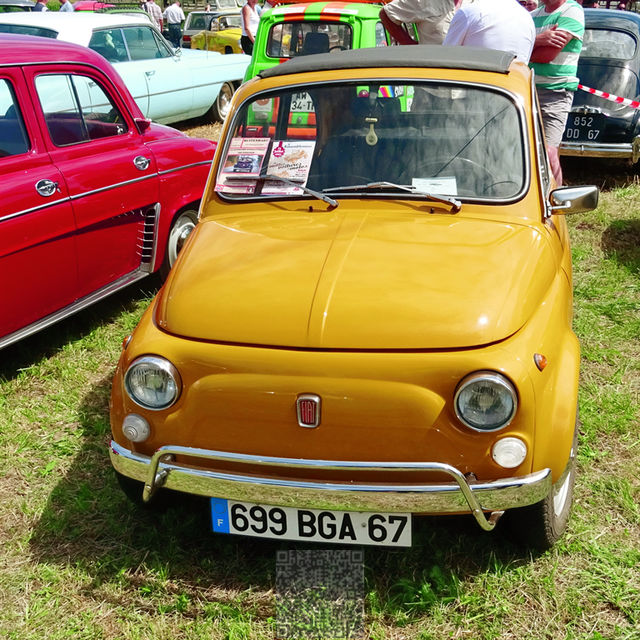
<point>356,280</point>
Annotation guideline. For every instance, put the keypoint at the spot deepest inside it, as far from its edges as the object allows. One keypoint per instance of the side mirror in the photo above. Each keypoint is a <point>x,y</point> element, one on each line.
<point>574,199</point>
<point>142,124</point>
<point>177,52</point>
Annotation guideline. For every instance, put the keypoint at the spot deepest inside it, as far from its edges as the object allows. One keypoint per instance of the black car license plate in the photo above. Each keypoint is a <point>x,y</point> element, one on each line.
<point>584,127</point>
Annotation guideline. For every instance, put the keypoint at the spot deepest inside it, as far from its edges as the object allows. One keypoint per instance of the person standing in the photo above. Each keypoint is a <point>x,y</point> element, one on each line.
<point>40,5</point>
<point>155,12</point>
<point>250,21</point>
<point>431,17</point>
<point>559,32</point>
<point>174,16</point>
<point>504,25</point>
<point>66,6</point>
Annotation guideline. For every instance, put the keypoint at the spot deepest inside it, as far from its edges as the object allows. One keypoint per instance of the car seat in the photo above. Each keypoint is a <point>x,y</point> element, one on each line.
<point>315,43</point>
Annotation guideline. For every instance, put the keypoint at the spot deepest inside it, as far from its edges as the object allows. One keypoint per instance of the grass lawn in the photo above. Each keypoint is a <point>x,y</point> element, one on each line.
<point>78,561</point>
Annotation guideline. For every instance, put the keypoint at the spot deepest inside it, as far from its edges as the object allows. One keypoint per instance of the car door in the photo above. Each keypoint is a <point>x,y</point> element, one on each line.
<point>38,271</point>
<point>168,77</point>
<point>110,174</point>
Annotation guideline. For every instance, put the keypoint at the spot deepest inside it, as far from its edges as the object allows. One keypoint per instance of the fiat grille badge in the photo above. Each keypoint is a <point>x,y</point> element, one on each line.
<point>308,410</point>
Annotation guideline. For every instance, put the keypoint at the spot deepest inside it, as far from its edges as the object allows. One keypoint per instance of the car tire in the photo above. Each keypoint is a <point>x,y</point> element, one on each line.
<point>133,490</point>
<point>181,229</point>
<point>540,525</point>
<point>222,105</point>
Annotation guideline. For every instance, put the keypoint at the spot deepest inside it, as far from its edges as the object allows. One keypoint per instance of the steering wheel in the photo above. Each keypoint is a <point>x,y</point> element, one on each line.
<point>337,47</point>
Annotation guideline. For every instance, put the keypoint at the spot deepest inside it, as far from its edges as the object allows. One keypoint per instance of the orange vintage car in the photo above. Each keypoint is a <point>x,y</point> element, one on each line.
<point>370,322</point>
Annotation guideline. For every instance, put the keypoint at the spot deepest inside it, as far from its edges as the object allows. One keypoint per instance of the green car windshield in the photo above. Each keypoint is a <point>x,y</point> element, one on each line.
<point>455,140</point>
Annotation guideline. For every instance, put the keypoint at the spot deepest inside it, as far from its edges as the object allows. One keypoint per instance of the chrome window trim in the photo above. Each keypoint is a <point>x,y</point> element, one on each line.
<point>544,182</point>
<point>515,99</point>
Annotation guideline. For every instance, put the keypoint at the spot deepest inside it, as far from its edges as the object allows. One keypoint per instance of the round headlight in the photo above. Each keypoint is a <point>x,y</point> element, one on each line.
<point>486,401</point>
<point>152,382</point>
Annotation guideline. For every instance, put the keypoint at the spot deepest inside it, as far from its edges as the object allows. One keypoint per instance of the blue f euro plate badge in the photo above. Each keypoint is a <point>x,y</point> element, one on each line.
<point>220,515</point>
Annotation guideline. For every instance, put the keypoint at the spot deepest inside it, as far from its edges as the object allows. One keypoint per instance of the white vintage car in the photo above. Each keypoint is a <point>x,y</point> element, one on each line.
<point>168,84</point>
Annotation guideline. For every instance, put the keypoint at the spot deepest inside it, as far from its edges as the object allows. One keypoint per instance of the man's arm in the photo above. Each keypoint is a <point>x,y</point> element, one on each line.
<point>549,44</point>
<point>457,30</point>
<point>396,31</point>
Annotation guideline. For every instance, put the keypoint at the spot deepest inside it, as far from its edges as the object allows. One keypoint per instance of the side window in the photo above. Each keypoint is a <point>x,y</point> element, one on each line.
<point>109,43</point>
<point>381,35</point>
<point>143,44</point>
<point>77,109</point>
<point>13,136</point>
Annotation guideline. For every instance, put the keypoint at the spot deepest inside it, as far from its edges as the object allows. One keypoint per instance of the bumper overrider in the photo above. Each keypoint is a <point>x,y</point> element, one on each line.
<point>630,151</point>
<point>461,495</point>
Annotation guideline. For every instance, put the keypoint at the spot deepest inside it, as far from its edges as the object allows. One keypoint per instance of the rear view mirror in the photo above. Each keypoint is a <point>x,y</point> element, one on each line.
<point>574,199</point>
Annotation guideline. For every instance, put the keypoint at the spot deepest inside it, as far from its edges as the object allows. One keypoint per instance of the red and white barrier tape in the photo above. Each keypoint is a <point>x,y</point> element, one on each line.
<point>608,96</point>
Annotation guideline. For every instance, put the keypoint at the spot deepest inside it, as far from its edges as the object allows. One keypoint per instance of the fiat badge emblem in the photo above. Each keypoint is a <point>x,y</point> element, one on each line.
<point>308,410</point>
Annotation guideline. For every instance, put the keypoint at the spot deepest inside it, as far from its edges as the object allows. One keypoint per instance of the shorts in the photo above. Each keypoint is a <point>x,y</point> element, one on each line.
<point>555,105</point>
<point>246,44</point>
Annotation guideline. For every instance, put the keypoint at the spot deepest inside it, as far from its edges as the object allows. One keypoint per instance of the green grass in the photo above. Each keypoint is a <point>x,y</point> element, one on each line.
<point>78,561</point>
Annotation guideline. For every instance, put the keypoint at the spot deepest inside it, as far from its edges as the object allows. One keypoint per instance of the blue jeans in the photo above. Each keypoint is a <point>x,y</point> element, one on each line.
<point>175,34</point>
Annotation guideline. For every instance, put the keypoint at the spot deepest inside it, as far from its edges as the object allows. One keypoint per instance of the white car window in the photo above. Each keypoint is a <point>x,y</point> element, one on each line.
<point>144,44</point>
<point>109,43</point>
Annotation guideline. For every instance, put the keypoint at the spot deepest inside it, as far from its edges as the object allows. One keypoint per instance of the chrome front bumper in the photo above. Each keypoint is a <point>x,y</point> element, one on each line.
<point>459,496</point>
<point>600,150</point>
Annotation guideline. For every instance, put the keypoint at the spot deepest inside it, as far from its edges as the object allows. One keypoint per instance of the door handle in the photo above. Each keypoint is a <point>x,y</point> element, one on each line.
<point>141,163</point>
<point>149,73</point>
<point>46,187</point>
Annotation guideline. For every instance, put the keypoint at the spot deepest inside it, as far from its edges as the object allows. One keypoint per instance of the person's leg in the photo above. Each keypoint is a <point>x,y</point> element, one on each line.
<point>554,108</point>
<point>246,44</point>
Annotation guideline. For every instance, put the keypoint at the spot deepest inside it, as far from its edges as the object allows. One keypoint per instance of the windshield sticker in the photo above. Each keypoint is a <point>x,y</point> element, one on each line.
<point>243,164</point>
<point>291,160</point>
<point>445,186</point>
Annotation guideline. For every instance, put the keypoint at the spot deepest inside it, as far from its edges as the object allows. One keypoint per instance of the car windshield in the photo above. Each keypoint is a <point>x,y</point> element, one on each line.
<point>356,139</point>
<point>607,43</point>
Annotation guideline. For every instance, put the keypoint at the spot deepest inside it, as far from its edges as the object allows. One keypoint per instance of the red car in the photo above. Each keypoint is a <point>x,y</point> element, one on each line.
<point>94,196</point>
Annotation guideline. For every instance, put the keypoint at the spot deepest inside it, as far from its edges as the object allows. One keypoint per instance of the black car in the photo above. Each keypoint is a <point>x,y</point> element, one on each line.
<point>610,62</point>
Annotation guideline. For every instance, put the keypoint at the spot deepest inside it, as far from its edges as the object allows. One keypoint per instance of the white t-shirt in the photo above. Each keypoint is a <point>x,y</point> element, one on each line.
<point>494,24</point>
<point>254,19</point>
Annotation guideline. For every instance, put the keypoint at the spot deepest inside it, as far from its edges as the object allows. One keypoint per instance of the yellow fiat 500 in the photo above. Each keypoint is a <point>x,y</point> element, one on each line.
<point>372,319</point>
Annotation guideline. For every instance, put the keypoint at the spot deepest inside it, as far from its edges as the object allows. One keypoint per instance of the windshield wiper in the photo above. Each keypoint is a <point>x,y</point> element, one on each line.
<point>316,194</point>
<point>455,204</point>
<point>312,192</point>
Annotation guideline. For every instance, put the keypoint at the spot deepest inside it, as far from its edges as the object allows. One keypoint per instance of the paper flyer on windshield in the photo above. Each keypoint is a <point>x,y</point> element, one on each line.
<point>289,159</point>
<point>242,165</point>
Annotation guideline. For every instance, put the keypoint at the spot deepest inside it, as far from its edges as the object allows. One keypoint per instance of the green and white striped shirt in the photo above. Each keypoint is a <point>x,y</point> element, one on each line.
<point>561,72</point>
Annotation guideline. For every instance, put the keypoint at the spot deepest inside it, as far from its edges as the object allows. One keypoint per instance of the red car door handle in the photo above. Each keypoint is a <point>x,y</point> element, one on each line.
<point>46,187</point>
<point>141,163</point>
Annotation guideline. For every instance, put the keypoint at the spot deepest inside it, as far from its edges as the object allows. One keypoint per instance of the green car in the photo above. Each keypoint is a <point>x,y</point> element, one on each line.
<point>290,30</point>
<point>303,28</point>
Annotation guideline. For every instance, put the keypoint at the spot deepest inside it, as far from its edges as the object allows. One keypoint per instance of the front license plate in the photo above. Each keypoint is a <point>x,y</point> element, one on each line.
<point>287,523</point>
<point>583,127</point>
